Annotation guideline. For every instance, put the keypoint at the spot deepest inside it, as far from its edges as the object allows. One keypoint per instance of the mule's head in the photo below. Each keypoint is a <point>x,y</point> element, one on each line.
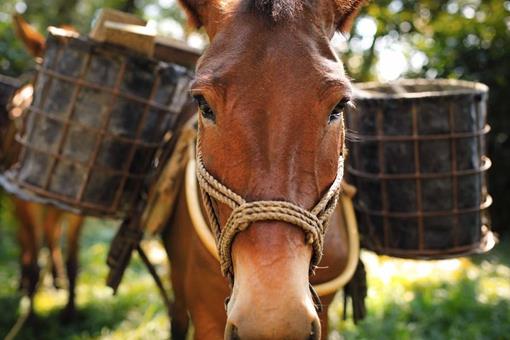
<point>271,93</point>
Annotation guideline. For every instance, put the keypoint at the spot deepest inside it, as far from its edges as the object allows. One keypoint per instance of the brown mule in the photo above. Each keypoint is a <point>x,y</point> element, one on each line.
<point>37,221</point>
<point>271,93</point>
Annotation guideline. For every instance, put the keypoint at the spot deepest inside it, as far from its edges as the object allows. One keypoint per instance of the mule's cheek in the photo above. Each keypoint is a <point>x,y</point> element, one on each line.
<point>271,297</point>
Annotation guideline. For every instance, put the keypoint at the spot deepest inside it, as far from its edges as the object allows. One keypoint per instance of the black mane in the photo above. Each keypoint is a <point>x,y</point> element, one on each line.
<point>277,10</point>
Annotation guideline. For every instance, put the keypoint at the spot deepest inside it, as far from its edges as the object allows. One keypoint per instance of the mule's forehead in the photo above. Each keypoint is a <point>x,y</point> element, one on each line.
<point>249,49</point>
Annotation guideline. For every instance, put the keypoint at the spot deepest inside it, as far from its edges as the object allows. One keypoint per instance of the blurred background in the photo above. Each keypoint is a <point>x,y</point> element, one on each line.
<point>460,298</point>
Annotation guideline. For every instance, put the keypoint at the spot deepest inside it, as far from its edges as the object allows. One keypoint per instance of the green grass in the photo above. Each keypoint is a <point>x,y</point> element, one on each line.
<point>136,312</point>
<point>465,299</point>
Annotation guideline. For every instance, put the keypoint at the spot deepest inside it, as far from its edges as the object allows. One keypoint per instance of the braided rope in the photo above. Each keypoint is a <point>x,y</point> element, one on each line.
<point>313,222</point>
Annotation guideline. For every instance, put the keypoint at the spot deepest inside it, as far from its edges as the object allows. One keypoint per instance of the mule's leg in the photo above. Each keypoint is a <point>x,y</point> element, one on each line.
<point>52,233</point>
<point>179,318</point>
<point>323,316</point>
<point>198,285</point>
<point>202,290</point>
<point>179,313</point>
<point>206,294</point>
<point>75,223</point>
<point>28,238</point>
<point>333,263</point>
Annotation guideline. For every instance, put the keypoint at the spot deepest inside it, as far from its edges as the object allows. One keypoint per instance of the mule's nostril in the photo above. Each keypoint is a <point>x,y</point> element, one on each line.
<point>315,333</point>
<point>231,332</point>
<point>234,335</point>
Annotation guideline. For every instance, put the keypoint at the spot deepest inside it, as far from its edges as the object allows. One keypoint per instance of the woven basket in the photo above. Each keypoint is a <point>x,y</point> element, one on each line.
<point>99,116</point>
<point>417,157</point>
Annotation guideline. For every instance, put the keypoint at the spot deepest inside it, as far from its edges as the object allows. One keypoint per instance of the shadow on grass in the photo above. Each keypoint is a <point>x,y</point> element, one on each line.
<point>92,319</point>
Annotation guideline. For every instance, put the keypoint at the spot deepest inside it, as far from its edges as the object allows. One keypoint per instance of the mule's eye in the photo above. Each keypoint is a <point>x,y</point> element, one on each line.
<point>338,110</point>
<point>205,109</point>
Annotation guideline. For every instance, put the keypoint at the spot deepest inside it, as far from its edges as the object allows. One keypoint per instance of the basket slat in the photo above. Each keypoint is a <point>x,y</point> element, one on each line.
<point>99,116</point>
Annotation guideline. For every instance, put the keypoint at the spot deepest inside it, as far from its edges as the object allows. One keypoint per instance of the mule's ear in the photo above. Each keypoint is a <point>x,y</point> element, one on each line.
<point>347,11</point>
<point>33,40</point>
<point>197,11</point>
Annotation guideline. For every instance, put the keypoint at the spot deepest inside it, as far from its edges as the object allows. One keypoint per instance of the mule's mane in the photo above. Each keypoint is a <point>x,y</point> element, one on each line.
<point>277,10</point>
<point>286,10</point>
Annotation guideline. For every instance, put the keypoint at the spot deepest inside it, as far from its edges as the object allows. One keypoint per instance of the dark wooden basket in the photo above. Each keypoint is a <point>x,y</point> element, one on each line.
<point>417,157</point>
<point>98,118</point>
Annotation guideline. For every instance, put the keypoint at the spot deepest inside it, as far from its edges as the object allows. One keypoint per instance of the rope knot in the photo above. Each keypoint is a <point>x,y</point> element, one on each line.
<point>250,212</point>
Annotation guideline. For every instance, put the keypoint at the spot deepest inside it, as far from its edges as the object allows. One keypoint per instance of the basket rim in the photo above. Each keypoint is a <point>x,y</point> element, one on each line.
<point>486,243</point>
<point>62,37</point>
<point>368,90</point>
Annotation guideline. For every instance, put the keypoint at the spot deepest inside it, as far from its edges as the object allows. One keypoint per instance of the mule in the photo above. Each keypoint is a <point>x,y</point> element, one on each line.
<point>271,93</point>
<point>40,223</point>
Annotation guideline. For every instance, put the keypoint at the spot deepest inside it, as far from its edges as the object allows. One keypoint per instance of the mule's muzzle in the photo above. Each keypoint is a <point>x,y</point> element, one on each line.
<point>310,331</point>
<point>271,297</point>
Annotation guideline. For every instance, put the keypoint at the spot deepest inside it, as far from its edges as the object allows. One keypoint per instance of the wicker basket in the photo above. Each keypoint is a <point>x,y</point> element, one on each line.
<point>417,157</point>
<point>98,118</point>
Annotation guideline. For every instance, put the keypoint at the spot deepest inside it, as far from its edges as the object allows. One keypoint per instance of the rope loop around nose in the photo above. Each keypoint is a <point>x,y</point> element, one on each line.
<point>312,222</point>
<point>251,212</point>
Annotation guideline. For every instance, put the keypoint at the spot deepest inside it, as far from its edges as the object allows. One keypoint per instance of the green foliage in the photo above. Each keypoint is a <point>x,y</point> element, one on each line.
<point>443,311</point>
<point>14,60</point>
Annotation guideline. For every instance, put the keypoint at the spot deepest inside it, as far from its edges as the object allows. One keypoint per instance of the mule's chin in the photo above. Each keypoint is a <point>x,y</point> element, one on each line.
<point>271,298</point>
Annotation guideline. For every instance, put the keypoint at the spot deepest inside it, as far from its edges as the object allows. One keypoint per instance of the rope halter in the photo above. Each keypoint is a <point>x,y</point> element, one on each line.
<point>313,222</point>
